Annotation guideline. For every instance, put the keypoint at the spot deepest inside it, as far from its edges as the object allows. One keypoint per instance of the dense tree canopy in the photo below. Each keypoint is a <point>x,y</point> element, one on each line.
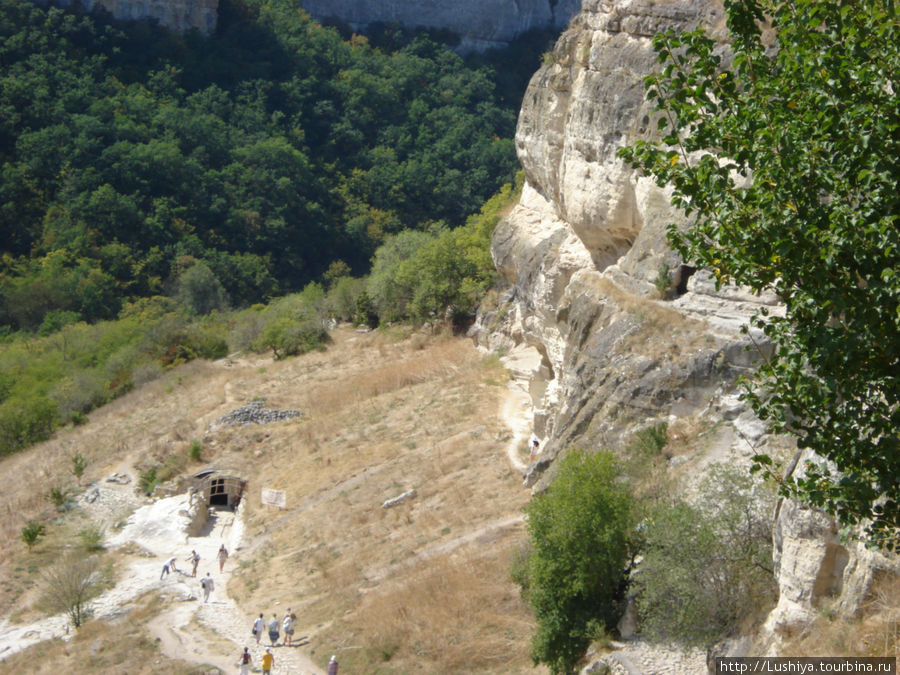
<point>266,151</point>
<point>582,537</point>
<point>785,153</point>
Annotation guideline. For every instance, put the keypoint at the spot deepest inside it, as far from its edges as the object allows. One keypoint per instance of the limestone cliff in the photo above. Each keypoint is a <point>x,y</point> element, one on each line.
<point>627,334</point>
<point>176,15</point>
<point>480,24</point>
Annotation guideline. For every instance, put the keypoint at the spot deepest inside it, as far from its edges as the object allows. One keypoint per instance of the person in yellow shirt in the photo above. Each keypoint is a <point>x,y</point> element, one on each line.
<point>267,662</point>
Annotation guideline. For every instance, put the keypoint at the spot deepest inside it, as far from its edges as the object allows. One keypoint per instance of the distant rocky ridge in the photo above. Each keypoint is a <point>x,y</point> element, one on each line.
<point>628,335</point>
<point>480,24</point>
<point>176,15</point>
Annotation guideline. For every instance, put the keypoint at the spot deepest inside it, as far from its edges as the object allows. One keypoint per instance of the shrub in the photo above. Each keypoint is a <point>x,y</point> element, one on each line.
<point>248,326</point>
<point>25,420</point>
<point>652,440</point>
<point>79,464</point>
<point>365,314</point>
<point>56,319</point>
<point>518,569</point>
<point>287,337</point>
<point>195,450</point>
<point>80,392</point>
<point>343,297</point>
<point>210,345</point>
<point>91,538</point>
<point>581,532</point>
<point>200,290</point>
<point>32,532</point>
<point>662,282</point>
<point>148,480</point>
<point>70,585</point>
<point>59,497</point>
<point>145,372</point>
<point>707,566</point>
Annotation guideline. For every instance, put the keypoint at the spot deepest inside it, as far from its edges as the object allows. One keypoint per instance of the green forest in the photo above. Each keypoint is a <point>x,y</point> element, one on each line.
<point>268,151</point>
<point>167,197</point>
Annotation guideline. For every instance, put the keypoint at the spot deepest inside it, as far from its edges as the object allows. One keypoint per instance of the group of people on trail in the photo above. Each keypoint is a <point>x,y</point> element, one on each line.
<point>268,662</point>
<point>206,583</point>
<point>246,660</point>
<point>276,627</point>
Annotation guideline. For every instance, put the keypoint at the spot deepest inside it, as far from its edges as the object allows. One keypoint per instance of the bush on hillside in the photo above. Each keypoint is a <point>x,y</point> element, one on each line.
<point>200,291</point>
<point>441,274</point>
<point>70,585</point>
<point>582,539</point>
<point>707,565</point>
<point>32,532</point>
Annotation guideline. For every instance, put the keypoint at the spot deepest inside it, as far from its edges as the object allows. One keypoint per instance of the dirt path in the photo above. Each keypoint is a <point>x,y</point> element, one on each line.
<point>515,405</point>
<point>516,412</point>
<point>206,633</point>
<point>216,632</point>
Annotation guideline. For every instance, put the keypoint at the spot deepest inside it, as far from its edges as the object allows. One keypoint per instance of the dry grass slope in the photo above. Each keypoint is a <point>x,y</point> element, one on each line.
<point>422,587</point>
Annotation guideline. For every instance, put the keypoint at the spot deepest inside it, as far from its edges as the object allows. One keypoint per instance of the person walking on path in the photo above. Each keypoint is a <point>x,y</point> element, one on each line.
<point>168,566</point>
<point>194,559</point>
<point>208,586</point>
<point>273,629</point>
<point>258,627</point>
<point>268,661</point>
<point>222,556</point>
<point>535,449</point>
<point>245,661</point>
<point>333,666</point>
<point>287,626</point>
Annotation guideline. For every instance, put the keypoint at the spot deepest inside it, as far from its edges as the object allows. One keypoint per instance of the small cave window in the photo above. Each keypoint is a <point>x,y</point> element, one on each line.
<point>680,278</point>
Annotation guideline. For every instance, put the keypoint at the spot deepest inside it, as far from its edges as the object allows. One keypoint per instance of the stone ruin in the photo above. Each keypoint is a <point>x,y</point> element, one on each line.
<point>254,413</point>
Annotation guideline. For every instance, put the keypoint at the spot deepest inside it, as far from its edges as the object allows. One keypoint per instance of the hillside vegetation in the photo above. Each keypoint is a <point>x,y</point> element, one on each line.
<point>267,152</point>
<point>68,369</point>
<point>424,585</point>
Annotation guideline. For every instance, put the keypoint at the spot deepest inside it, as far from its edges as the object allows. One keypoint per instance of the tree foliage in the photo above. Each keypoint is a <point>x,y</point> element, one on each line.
<point>265,152</point>
<point>32,532</point>
<point>441,273</point>
<point>706,564</point>
<point>785,155</point>
<point>581,534</point>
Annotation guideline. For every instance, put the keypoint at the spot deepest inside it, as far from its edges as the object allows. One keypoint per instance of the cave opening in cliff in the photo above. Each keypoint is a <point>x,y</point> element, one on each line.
<point>681,276</point>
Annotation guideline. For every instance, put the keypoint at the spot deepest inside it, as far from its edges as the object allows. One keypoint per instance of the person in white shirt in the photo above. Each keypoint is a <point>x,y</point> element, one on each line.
<point>258,627</point>
<point>208,586</point>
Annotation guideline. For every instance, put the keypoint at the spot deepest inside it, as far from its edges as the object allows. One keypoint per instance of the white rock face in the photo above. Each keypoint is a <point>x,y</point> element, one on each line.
<point>480,24</point>
<point>176,15</point>
<point>628,334</point>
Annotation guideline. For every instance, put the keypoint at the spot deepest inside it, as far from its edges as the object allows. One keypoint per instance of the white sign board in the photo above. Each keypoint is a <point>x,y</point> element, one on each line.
<point>272,497</point>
